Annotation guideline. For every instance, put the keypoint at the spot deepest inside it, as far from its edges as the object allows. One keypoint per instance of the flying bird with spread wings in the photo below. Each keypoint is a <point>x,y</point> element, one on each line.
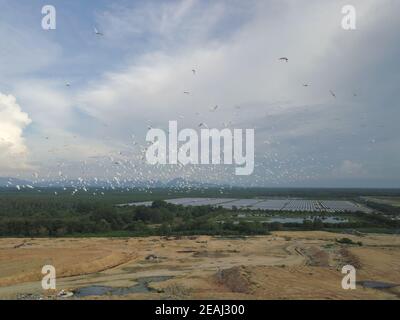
<point>213,108</point>
<point>284,59</point>
<point>97,32</point>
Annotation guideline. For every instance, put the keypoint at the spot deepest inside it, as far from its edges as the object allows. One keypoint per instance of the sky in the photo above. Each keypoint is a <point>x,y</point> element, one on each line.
<point>134,75</point>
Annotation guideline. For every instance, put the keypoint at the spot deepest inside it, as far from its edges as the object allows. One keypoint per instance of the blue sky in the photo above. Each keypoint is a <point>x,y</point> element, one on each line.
<point>134,76</point>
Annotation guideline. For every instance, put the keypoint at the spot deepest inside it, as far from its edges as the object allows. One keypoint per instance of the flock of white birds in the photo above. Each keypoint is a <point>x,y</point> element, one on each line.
<point>130,171</point>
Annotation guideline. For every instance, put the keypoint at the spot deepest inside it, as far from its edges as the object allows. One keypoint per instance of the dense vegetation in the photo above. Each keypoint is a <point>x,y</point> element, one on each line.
<point>43,214</point>
<point>55,218</point>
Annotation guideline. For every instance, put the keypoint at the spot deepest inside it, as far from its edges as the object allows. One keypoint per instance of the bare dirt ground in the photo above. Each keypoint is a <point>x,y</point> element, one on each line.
<point>284,265</point>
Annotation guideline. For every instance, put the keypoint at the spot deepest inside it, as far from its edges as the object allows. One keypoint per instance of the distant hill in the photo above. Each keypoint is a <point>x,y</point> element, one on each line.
<point>183,183</point>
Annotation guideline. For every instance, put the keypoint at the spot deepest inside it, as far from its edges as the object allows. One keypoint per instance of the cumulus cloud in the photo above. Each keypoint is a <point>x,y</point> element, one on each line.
<point>13,121</point>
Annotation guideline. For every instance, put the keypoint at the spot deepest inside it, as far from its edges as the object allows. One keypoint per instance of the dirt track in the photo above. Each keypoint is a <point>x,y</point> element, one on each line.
<point>285,265</point>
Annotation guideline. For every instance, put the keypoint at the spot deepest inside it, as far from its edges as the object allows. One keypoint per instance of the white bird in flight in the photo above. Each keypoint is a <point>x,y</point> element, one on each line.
<point>97,32</point>
<point>213,109</point>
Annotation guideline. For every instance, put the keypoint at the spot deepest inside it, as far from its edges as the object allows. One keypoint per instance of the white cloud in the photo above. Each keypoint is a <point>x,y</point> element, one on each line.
<point>13,120</point>
<point>150,49</point>
<point>239,69</point>
<point>48,103</point>
<point>242,69</point>
<point>349,169</point>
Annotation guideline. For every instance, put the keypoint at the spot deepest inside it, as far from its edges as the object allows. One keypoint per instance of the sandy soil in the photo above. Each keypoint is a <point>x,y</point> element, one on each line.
<point>284,265</point>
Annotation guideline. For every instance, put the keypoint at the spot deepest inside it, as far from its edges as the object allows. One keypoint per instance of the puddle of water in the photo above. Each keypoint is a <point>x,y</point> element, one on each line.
<point>142,286</point>
<point>92,291</point>
<point>377,284</point>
